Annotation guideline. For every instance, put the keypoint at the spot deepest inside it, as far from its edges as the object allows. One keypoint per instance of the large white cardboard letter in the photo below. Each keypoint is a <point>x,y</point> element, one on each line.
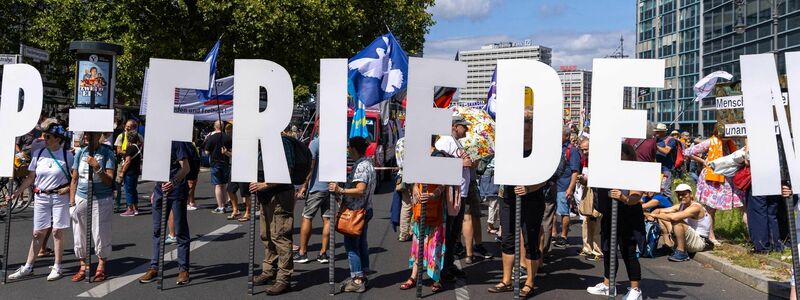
<point>611,123</point>
<point>423,121</point>
<point>332,158</point>
<point>512,167</point>
<point>253,126</point>
<point>27,80</point>
<point>761,93</point>
<point>163,124</point>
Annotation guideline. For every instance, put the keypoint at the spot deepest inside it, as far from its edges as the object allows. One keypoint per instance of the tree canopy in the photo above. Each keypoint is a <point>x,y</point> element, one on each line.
<point>292,33</point>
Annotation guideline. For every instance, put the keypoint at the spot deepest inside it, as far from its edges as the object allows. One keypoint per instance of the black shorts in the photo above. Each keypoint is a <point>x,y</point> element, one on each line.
<point>530,224</point>
<point>242,187</point>
<point>194,170</point>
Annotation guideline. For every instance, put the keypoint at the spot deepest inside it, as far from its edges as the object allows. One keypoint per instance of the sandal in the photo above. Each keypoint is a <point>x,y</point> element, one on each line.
<point>244,218</point>
<point>80,276</point>
<point>233,216</point>
<point>501,287</point>
<point>524,294</point>
<point>410,283</point>
<point>99,276</point>
<point>436,287</point>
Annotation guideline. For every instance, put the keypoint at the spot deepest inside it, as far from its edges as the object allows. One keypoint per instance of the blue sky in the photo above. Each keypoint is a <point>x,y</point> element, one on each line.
<point>576,30</point>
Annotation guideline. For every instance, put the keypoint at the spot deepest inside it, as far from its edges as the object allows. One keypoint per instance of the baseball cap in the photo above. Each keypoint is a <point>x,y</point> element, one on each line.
<point>459,120</point>
<point>683,187</point>
<point>661,127</point>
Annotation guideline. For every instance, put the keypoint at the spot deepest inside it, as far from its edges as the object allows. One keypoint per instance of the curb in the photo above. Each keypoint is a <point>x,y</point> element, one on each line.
<point>749,277</point>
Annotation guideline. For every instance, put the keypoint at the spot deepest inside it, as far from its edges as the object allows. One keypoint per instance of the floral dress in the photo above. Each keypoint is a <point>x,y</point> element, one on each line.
<point>433,250</point>
<point>716,195</point>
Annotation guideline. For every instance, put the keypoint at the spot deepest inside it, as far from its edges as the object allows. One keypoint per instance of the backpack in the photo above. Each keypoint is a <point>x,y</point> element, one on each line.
<point>652,235</point>
<point>483,165</point>
<point>298,158</point>
<point>679,159</point>
<point>564,164</point>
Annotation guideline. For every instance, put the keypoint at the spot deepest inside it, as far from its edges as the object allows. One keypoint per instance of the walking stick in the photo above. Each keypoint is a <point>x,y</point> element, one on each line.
<point>793,240</point>
<point>421,243</point>
<point>7,235</point>
<point>161,241</point>
<point>331,244</point>
<point>612,288</point>
<point>517,267</point>
<point>89,208</point>
<point>251,245</point>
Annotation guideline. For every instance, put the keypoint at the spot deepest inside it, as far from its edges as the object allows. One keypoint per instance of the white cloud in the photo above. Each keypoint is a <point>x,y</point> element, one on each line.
<point>551,10</point>
<point>452,9</point>
<point>569,48</point>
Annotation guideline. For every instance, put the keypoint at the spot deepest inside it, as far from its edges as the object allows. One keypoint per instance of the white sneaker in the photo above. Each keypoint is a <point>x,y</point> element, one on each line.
<point>55,274</point>
<point>633,294</point>
<point>600,289</point>
<point>21,272</point>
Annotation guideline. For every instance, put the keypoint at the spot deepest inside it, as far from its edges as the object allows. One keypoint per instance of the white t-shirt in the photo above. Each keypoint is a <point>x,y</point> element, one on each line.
<point>449,145</point>
<point>48,173</point>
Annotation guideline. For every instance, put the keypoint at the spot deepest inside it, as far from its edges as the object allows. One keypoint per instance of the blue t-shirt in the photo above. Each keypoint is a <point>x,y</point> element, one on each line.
<point>573,165</point>
<point>663,201</point>
<point>315,185</point>
<point>106,158</point>
<point>179,151</point>
<point>667,160</point>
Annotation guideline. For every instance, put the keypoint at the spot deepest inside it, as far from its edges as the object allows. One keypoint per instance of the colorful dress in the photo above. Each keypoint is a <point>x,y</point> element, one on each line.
<point>715,194</point>
<point>433,250</point>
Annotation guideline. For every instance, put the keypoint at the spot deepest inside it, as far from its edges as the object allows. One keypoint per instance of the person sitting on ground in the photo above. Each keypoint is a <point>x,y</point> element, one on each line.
<point>687,223</point>
<point>652,201</point>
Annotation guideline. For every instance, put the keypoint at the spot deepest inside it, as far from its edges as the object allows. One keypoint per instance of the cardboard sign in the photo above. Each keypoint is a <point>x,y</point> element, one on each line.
<point>611,123</point>
<point>511,166</point>
<point>740,130</point>
<point>730,102</point>
<point>332,160</point>
<point>253,126</point>
<point>18,79</point>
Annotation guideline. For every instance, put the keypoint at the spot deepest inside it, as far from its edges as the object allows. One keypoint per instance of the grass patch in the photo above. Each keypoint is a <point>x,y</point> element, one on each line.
<point>741,259</point>
<point>728,224</point>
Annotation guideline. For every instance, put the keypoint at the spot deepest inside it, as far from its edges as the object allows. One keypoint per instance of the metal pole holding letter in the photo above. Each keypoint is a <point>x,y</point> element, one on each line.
<point>517,270</point>
<point>332,244</point>
<point>7,235</point>
<point>793,239</point>
<point>161,241</point>
<point>89,199</point>
<point>421,238</point>
<point>612,253</point>
<point>251,243</point>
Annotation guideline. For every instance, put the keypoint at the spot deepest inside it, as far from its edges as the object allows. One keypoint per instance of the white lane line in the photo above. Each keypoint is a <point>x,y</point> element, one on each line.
<point>462,293</point>
<point>109,286</point>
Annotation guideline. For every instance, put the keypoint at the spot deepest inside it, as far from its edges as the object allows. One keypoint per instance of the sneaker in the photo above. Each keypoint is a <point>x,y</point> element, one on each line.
<point>128,213</point>
<point>594,257</point>
<point>300,258</point>
<point>481,251</point>
<point>55,274</point>
<point>323,258</point>
<point>20,273</point>
<point>135,212</point>
<point>191,207</point>
<point>560,243</point>
<point>170,240</point>
<point>601,289</point>
<point>218,210</point>
<point>352,286</point>
<point>633,294</point>
<point>679,256</point>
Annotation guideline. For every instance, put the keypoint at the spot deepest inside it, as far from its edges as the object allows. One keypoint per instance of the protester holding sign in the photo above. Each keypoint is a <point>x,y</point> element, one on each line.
<point>102,165</point>
<point>49,174</point>
<point>714,191</point>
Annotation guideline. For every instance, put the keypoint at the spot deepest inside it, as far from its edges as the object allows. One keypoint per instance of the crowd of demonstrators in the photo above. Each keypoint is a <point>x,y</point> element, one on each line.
<point>318,200</point>
<point>214,144</point>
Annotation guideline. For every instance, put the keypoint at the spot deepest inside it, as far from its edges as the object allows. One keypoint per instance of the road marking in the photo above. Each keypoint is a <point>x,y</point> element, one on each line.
<point>109,286</point>
<point>462,293</point>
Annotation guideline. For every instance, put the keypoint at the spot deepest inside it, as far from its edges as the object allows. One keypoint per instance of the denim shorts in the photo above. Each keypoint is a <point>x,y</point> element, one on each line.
<point>220,174</point>
<point>562,205</point>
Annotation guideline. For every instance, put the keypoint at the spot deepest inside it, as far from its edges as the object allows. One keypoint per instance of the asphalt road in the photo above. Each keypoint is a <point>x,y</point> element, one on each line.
<point>219,265</point>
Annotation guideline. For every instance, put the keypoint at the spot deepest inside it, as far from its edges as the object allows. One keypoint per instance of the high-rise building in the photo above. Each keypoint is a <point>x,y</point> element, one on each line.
<point>576,86</point>
<point>696,38</point>
<point>482,62</point>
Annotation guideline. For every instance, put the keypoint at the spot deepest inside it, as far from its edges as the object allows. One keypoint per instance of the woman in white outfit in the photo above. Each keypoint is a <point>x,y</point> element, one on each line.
<point>101,164</point>
<point>50,176</point>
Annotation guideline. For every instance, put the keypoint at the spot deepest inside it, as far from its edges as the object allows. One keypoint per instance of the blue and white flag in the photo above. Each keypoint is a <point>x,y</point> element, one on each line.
<point>704,87</point>
<point>491,99</point>
<point>211,57</point>
<point>358,127</point>
<point>379,71</point>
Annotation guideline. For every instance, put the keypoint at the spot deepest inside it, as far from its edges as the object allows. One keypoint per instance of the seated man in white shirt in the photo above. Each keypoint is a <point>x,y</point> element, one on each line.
<point>688,225</point>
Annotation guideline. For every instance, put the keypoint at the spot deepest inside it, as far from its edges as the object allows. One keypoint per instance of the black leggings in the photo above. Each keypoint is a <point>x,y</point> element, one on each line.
<point>530,224</point>
<point>626,242</point>
<point>453,226</point>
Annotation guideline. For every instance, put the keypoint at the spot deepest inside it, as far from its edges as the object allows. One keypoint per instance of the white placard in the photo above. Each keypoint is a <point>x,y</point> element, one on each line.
<point>759,84</point>
<point>15,123</point>
<point>730,102</point>
<point>423,121</point>
<point>265,127</point>
<point>163,125</point>
<point>511,167</point>
<point>740,129</point>
<point>332,101</point>
<point>611,123</point>
<point>91,120</point>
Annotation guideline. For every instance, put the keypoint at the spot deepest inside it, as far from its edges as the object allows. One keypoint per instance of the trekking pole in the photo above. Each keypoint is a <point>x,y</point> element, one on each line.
<point>612,253</point>
<point>517,268</point>
<point>332,244</point>
<point>421,244</point>
<point>89,207</point>
<point>251,245</point>
<point>161,241</point>
<point>793,240</point>
<point>7,235</point>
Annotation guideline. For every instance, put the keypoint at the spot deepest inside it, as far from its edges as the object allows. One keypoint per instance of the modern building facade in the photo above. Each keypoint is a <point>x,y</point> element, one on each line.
<point>697,37</point>
<point>576,86</point>
<point>481,64</point>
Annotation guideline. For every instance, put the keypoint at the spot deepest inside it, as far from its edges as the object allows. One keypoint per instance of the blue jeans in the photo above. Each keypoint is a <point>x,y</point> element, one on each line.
<point>178,207</point>
<point>131,194</point>
<point>762,220</point>
<point>358,250</point>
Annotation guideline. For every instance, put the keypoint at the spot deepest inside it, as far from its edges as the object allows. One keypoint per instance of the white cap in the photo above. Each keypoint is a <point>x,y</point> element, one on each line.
<point>683,187</point>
